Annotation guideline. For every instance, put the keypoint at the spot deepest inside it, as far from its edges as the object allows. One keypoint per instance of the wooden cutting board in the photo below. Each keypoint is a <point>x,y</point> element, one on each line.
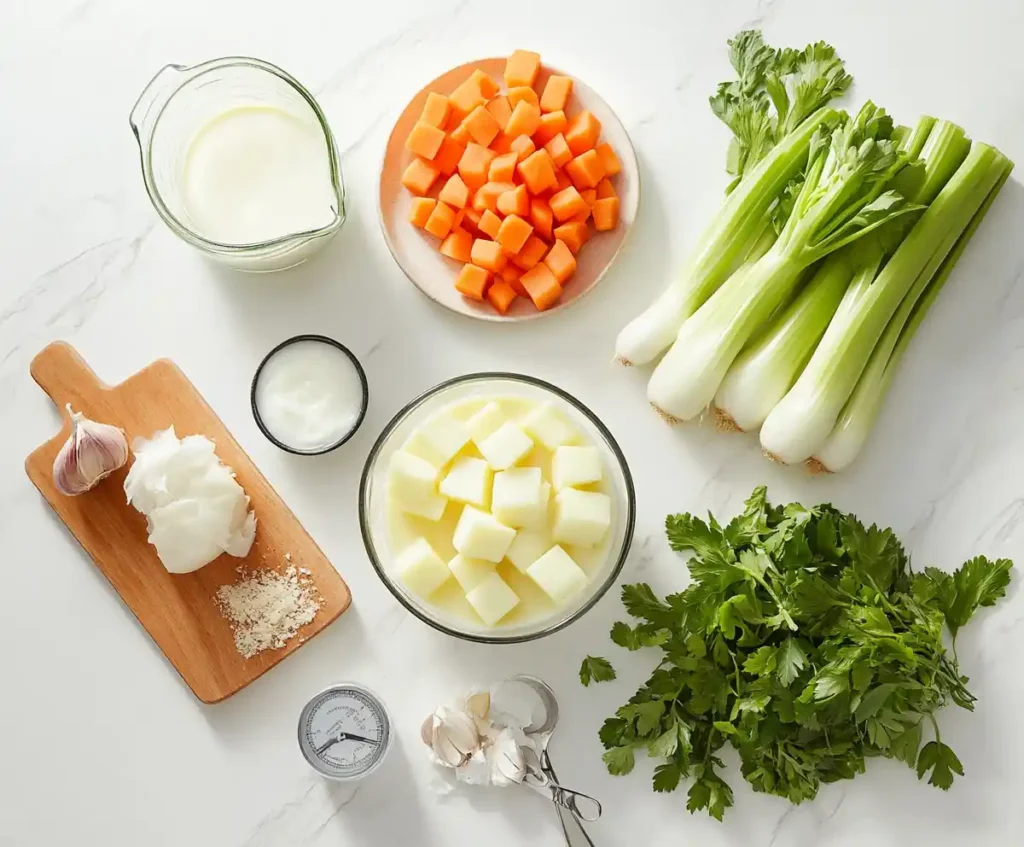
<point>179,611</point>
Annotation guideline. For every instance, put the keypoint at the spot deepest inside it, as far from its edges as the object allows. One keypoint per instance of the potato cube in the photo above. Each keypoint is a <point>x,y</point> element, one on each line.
<point>548,426</point>
<point>558,575</point>
<point>506,446</point>
<point>470,572</point>
<point>581,517</point>
<point>539,518</point>
<point>439,439</point>
<point>480,535</point>
<point>492,599</point>
<point>485,422</point>
<point>517,495</point>
<point>527,547</point>
<point>421,569</point>
<point>412,483</point>
<point>572,466</point>
<point>468,481</point>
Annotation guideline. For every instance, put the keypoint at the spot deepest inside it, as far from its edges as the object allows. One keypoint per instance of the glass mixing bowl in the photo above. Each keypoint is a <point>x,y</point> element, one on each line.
<point>373,513</point>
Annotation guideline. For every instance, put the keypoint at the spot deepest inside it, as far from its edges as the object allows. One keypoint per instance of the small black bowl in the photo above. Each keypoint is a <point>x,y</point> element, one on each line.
<point>362,380</point>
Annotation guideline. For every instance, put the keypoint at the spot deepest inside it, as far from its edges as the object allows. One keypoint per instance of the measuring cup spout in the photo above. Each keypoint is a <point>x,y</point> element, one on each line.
<point>152,98</point>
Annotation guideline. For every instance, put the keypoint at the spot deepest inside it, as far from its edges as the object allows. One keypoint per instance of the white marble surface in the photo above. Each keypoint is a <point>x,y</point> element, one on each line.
<point>102,744</point>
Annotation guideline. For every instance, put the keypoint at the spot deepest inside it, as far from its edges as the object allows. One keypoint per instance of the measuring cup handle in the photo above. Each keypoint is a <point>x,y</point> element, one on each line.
<point>157,90</point>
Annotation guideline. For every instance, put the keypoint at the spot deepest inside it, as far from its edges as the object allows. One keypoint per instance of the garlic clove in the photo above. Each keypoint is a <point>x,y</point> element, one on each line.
<point>92,452</point>
<point>453,736</point>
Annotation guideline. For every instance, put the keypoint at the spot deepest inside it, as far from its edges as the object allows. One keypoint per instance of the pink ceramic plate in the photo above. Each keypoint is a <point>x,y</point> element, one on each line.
<point>416,251</point>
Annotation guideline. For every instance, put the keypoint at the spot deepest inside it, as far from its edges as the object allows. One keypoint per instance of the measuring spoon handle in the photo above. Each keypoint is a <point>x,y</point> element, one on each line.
<point>572,828</point>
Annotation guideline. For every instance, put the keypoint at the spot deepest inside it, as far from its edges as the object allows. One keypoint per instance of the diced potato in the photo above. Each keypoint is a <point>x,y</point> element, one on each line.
<point>581,517</point>
<point>572,466</point>
<point>439,439</point>
<point>480,535</point>
<point>493,599</point>
<point>412,484</point>
<point>421,569</point>
<point>527,548</point>
<point>539,519</point>
<point>485,422</point>
<point>470,572</point>
<point>547,425</point>
<point>517,495</point>
<point>506,446</point>
<point>468,481</point>
<point>558,575</point>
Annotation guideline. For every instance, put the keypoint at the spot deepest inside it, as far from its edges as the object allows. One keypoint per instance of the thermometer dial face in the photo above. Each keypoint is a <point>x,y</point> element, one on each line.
<point>344,732</point>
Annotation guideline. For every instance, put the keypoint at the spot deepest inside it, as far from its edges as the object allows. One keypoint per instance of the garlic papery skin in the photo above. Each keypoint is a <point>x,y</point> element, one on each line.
<point>92,452</point>
<point>451,735</point>
<point>505,758</point>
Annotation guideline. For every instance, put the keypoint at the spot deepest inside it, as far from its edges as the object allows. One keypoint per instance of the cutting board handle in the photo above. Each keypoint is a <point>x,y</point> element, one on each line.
<point>63,374</point>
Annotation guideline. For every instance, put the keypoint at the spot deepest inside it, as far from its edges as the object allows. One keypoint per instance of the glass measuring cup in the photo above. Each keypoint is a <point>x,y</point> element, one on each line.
<point>178,102</point>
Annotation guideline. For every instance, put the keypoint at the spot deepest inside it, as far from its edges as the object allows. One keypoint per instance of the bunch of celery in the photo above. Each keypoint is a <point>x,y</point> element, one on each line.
<point>799,334</point>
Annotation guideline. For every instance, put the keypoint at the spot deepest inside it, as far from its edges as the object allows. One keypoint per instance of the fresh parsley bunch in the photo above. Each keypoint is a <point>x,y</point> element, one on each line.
<point>806,642</point>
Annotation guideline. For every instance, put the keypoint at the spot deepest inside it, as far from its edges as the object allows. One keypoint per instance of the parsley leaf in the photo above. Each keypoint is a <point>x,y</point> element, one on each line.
<point>941,761</point>
<point>620,760</point>
<point>790,659</point>
<point>596,669</point>
<point>667,777</point>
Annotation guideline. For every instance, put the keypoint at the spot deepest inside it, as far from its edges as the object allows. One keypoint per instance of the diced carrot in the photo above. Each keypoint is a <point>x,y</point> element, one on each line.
<point>488,255</point>
<point>556,93</point>
<point>515,202</point>
<point>560,262</point>
<point>489,224</point>
<point>502,144</point>
<point>551,124</point>
<point>538,171</point>
<point>419,176</point>
<point>589,195</point>
<point>573,234</point>
<point>472,281</point>
<point>583,132</point>
<point>482,126</point>
<point>466,97</point>
<point>457,245</point>
<point>605,189</point>
<point>474,164</point>
<point>559,151</point>
<point>542,286</point>
<point>562,182</point>
<point>503,168</point>
<point>487,195</point>
<point>461,134</point>
<point>471,221</point>
<point>531,253</point>
<point>524,120</point>
<point>500,295</point>
<point>523,146</point>
<point>521,93</point>
<point>611,162</point>
<point>447,158</point>
<point>510,276</point>
<point>424,140</point>
<point>501,109</point>
<point>513,233</point>
<point>541,217</point>
<point>440,221</point>
<point>567,203</point>
<point>606,214</point>
<point>420,210</point>
<point>521,68</point>
<point>455,193</point>
<point>586,170</point>
<point>435,110</point>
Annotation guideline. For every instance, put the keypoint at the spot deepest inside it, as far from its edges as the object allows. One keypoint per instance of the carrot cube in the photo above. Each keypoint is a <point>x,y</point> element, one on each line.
<point>471,221</point>
<point>567,203</point>
<point>487,255</point>
<point>441,219</point>
<point>538,171</point>
<point>500,295</point>
<point>521,68</point>
<point>605,189</point>
<point>419,176</point>
<point>482,126</point>
<point>488,193</point>
<point>542,286</point>
<point>515,202</point>
<point>606,214</point>
<point>524,120</point>
<point>466,97</point>
<point>420,210</point>
<point>435,110</point>
<point>489,224</point>
<point>523,146</point>
<point>556,93</point>
<point>589,195</point>
<point>474,164</point>
<point>541,217</point>
<point>583,132</point>
<point>501,110</point>
<point>455,193</point>
<point>573,234</point>
<point>531,253</point>
<point>551,124</point>
<point>472,281</point>
<point>503,168</point>
<point>424,140</point>
<point>561,262</point>
<point>611,162</point>
<point>457,245</point>
<point>513,233</point>
<point>559,151</point>
<point>447,158</point>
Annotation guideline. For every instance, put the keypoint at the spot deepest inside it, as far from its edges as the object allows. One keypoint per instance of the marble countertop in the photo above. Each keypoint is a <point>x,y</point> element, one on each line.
<point>103,744</point>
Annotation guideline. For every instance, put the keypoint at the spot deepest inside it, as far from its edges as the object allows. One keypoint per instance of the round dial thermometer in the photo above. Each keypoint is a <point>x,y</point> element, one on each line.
<point>344,731</point>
